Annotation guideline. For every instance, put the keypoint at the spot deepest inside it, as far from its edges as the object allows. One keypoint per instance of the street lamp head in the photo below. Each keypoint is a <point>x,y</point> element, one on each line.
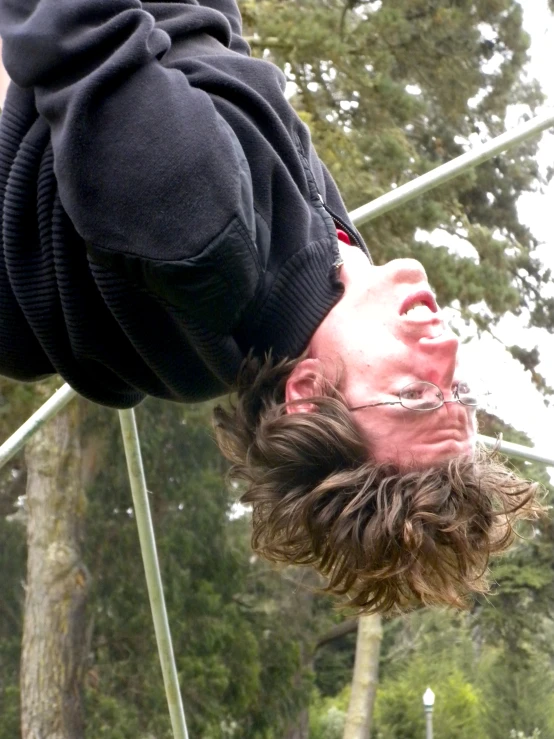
<point>428,698</point>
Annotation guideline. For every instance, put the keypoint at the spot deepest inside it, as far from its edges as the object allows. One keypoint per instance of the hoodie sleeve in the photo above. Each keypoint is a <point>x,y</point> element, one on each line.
<point>144,163</point>
<point>230,10</point>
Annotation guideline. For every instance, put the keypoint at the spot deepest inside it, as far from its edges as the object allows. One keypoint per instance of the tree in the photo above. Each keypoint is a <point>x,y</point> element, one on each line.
<point>17,401</point>
<point>517,693</point>
<point>238,628</point>
<point>390,90</point>
<point>404,87</point>
<point>429,648</point>
<point>365,678</point>
<point>54,647</point>
<point>54,632</point>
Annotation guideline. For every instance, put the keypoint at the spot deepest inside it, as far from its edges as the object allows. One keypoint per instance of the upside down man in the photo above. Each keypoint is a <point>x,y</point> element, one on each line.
<point>169,230</point>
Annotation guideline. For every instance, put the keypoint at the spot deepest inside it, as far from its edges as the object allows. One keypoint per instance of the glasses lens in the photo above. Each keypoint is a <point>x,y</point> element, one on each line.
<point>421,396</point>
<point>468,395</point>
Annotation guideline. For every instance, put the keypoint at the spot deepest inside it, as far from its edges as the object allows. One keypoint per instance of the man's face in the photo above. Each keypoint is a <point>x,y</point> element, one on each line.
<point>387,332</point>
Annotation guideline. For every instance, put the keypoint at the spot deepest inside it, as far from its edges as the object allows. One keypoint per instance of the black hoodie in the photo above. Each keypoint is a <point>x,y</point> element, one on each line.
<point>163,210</point>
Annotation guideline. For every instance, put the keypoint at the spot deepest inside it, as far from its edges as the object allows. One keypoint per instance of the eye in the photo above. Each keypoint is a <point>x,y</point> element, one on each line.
<point>462,388</point>
<point>421,396</point>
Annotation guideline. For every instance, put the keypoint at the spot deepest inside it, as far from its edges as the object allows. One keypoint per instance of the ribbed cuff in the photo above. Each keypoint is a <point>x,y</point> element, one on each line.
<point>304,292</point>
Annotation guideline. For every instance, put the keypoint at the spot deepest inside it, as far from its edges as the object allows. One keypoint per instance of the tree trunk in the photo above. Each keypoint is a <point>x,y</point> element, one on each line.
<point>54,643</point>
<point>365,678</point>
<point>301,727</point>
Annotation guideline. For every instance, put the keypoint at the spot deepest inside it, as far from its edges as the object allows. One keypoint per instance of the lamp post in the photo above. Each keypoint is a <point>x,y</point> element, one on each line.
<point>428,703</point>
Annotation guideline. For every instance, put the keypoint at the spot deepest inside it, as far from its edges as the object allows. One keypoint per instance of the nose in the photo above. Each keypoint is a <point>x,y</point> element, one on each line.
<point>406,271</point>
<point>441,357</point>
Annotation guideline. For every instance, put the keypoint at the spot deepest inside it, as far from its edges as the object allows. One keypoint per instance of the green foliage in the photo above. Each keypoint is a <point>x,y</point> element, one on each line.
<point>399,708</point>
<point>12,567</point>
<point>243,635</point>
<point>391,90</point>
<point>517,695</point>
<point>110,718</point>
<point>9,710</point>
<point>238,650</point>
<point>333,665</point>
<point>428,649</point>
<point>327,715</point>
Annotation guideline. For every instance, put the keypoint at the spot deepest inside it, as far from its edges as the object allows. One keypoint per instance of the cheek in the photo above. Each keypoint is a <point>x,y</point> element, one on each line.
<point>385,365</point>
<point>385,436</point>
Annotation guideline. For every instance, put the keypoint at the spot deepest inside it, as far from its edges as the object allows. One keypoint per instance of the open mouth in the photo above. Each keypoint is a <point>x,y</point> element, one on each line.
<point>420,305</point>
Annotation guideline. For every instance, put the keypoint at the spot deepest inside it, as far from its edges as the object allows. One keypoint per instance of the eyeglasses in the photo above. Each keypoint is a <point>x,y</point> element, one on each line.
<point>425,396</point>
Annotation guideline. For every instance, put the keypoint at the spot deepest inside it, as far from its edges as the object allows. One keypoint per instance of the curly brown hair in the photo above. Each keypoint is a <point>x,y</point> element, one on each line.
<point>386,538</point>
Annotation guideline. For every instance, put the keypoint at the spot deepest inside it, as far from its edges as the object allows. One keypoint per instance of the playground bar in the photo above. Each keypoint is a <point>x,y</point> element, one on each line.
<point>152,572</point>
<point>47,411</point>
<point>62,396</point>
<point>517,450</point>
<point>448,171</point>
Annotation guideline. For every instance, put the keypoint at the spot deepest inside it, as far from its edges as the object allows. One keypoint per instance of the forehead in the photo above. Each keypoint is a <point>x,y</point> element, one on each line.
<point>393,373</point>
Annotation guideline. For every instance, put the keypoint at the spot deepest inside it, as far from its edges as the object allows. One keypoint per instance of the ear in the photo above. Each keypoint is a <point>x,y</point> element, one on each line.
<point>305,381</point>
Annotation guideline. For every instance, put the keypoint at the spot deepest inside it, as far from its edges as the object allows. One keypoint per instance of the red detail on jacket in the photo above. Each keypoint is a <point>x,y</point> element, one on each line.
<point>343,236</point>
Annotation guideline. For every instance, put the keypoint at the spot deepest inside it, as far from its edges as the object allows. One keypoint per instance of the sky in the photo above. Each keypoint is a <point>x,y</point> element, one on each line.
<point>528,412</point>
<point>514,396</point>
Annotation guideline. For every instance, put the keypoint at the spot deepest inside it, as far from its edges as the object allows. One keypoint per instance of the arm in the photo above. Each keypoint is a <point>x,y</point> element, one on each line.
<point>144,162</point>
<point>181,163</point>
<point>230,10</point>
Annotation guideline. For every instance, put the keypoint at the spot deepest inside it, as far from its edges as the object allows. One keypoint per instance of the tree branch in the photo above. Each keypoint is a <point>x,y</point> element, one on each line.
<point>342,629</point>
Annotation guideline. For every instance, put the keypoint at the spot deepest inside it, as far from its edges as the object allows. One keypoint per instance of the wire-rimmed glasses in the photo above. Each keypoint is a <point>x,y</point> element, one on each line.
<point>425,396</point>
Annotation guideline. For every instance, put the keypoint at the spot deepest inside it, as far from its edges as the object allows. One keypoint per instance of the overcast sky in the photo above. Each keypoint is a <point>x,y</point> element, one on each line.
<point>517,402</point>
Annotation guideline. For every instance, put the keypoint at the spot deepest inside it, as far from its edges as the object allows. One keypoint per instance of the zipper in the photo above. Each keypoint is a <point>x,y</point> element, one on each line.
<point>345,227</point>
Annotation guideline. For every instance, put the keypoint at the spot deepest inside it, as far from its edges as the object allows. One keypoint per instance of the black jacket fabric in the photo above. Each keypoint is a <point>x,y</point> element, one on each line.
<point>163,210</point>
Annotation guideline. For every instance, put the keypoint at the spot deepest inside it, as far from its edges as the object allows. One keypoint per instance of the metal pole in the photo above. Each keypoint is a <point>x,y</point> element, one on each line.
<point>428,723</point>
<point>448,171</point>
<point>47,411</point>
<point>517,450</point>
<point>62,396</point>
<point>152,572</point>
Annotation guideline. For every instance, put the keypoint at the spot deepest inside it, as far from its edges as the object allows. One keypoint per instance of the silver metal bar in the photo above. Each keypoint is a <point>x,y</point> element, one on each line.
<point>517,450</point>
<point>448,171</point>
<point>62,396</point>
<point>152,572</point>
<point>47,411</point>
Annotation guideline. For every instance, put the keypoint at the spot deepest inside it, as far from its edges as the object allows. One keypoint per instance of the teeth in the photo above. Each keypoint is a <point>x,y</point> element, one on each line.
<point>418,309</point>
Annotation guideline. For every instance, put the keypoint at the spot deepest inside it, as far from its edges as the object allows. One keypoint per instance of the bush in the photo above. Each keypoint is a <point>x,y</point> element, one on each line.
<point>327,715</point>
<point>518,695</point>
<point>399,709</point>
